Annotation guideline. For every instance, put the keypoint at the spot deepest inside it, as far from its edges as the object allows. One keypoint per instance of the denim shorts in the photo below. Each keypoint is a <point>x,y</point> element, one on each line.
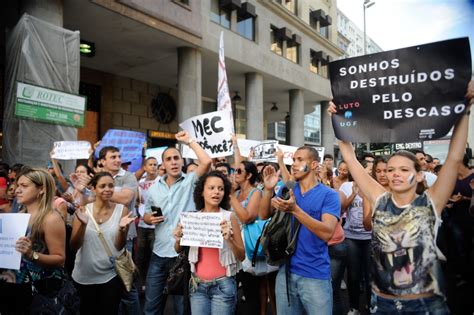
<point>432,305</point>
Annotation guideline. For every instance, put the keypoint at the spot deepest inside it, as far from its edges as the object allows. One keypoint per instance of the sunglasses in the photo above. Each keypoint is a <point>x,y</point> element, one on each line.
<point>239,171</point>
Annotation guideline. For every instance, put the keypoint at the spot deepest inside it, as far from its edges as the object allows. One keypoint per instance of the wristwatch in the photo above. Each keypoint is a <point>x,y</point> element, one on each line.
<point>34,256</point>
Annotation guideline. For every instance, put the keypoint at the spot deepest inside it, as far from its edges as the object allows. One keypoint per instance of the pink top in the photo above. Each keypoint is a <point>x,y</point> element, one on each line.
<point>209,267</point>
<point>338,235</point>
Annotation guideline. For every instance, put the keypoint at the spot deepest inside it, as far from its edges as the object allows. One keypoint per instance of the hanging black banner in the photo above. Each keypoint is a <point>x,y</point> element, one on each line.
<point>403,95</point>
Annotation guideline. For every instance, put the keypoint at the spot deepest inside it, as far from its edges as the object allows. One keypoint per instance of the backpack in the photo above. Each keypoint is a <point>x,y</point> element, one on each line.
<point>279,238</point>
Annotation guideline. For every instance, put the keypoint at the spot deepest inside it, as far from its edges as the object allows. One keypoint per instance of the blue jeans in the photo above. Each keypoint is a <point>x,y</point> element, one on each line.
<point>434,305</point>
<point>358,266</point>
<point>313,296</point>
<point>217,297</point>
<point>338,255</point>
<point>155,299</point>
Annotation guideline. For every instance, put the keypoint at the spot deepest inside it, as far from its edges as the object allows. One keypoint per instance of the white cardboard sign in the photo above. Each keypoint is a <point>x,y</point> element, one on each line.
<point>213,133</point>
<point>71,150</point>
<point>202,229</point>
<point>12,227</point>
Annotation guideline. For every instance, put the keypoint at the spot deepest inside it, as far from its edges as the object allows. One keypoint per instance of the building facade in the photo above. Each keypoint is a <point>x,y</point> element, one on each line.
<point>155,62</point>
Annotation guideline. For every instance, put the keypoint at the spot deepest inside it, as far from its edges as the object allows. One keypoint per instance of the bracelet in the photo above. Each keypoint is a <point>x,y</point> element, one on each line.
<point>190,141</point>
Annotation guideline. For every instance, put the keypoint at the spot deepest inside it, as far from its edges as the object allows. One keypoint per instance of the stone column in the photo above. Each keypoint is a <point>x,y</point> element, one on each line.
<point>254,106</point>
<point>327,132</point>
<point>296,118</point>
<point>189,83</point>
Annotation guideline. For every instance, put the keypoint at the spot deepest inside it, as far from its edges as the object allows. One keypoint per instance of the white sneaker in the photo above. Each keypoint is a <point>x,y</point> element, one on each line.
<point>353,312</point>
<point>343,285</point>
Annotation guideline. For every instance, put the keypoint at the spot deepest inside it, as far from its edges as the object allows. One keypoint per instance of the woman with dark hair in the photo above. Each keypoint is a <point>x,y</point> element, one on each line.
<point>245,201</point>
<point>213,285</point>
<point>342,177</point>
<point>97,282</point>
<point>379,173</point>
<point>190,167</point>
<point>42,248</point>
<point>406,273</point>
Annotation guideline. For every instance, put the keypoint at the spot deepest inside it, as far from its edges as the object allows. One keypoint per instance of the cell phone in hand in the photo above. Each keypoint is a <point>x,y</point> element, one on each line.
<point>156,211</point>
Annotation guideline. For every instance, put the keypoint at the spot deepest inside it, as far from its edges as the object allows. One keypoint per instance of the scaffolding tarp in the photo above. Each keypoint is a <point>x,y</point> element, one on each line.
<point>46,55</point>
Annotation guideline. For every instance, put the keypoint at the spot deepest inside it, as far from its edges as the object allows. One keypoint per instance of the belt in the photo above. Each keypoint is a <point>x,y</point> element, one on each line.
<point>199,280</point>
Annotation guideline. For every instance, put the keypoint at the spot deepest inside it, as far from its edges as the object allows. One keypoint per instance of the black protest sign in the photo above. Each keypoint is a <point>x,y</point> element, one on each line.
<point>403,95</point>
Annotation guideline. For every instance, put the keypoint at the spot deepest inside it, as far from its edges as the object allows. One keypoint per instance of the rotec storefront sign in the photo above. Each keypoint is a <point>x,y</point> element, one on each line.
<point>50,106</point>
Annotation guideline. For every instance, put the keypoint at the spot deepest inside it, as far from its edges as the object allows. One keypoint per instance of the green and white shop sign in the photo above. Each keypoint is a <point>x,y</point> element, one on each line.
<point>50,106</point>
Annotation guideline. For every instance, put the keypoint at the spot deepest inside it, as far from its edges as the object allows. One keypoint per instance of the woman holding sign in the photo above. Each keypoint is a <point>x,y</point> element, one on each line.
<point>406,272</point>
<point>214,288</point>
<point>42,248</point>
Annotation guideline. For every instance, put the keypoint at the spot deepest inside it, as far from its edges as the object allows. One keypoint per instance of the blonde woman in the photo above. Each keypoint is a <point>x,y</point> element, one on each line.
<point>42,248</point>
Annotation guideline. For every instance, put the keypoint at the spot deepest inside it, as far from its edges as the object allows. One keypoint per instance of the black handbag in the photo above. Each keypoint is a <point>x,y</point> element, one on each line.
<point>51,302</point>
<point>179,275</point>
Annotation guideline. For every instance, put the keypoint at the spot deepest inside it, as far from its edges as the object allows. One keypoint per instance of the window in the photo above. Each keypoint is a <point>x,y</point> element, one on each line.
<point>324,31</point>
<point>290,5</point>
<point>319,63</point>
<point>220,16</point>
<point>246,27</point>
<point>277,43</point>
<point>240,120</point>
<point>292,53</point>
<point>281,130</point>
<point>312,126</point>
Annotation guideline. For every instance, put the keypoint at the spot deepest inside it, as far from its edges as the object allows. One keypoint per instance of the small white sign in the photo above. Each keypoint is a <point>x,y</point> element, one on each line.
<point>246,146</point>
<point>71,150</point>
<point>12,227</point>
<point>264,151</point>
<point>202,229</point>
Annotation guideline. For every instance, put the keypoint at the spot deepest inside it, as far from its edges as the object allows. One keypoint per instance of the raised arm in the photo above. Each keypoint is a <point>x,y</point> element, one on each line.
<point>204,161</point>
<point>250,213</point>
<point>237,156</point>
<point>444,185</point>
<point>285,175</point>
<point>366,183</point>
<point>270,179</point>
<point>57,171</point>
<point>121,237</point>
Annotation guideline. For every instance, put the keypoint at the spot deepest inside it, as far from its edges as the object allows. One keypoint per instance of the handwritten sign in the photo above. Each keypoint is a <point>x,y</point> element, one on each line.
<point>71,150</point>
<point>404,95</point>
<point>201,229</point>
<point>12,227</point>
<point>213,133</point>
<point>130,144</point>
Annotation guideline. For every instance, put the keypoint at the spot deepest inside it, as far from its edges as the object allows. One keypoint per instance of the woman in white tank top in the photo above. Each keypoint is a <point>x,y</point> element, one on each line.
<point>94,274</point>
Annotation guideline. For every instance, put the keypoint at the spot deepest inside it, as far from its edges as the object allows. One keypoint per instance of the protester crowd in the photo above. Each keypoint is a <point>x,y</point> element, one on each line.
<point>397,231</point>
